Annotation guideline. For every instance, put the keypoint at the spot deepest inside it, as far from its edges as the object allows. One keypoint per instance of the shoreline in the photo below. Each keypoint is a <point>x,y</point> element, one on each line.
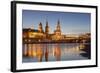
<point>55,42</point>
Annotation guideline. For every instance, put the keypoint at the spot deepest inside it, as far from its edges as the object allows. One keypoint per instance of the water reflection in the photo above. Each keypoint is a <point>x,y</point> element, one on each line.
<point>55,52</point>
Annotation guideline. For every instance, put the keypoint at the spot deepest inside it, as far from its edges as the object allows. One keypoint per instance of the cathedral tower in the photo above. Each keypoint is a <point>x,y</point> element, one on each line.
<point>58,28</point>
<point>47,28</point>
<point>40,29</point>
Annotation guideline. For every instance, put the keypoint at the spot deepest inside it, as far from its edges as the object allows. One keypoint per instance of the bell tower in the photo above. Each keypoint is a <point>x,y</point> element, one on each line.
<point>40,29</point>
<point>47,28</point>
<point>58,26</point>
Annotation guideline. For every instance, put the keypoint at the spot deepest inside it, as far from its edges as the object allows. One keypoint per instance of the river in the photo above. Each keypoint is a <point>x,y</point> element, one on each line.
<point>55,52</point>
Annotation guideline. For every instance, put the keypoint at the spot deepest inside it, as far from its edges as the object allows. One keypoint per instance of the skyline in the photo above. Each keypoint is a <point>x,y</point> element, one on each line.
<point>70,22</point>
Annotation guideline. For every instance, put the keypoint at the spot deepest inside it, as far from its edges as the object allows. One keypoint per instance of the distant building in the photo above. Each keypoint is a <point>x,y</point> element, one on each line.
<point>39,34</point>
<point>40,29</point>
<point>31,33</point>
<point>57,33</point>
<point>47,30</point>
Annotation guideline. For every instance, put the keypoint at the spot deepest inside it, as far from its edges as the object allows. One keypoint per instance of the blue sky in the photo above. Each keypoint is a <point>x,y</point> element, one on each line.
<point>71,22</point>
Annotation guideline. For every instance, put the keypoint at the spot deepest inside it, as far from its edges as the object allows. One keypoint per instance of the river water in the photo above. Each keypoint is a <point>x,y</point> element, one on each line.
<point>55,52</point>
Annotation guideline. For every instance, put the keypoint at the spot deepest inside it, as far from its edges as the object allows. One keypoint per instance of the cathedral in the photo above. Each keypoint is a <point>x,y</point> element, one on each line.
<point>43,35</point>
<point>57,32</point>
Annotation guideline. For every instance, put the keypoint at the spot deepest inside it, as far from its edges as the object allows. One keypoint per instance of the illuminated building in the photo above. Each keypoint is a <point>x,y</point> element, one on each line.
<point>40,29</point>
<point>41,35</point>
<point>57,33</point>
<point>58,29</point>
<point>47,30</point>
<point>30,34</point>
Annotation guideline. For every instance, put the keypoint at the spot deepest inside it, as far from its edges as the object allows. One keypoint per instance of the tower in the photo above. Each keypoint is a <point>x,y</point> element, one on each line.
<point>40,29</point>
<point>57,32</point>
<point>58,28</point>
<point>47,28</point>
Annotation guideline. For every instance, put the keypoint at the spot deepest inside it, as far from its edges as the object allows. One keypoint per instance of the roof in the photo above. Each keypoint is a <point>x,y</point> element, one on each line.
<point>28,29</point>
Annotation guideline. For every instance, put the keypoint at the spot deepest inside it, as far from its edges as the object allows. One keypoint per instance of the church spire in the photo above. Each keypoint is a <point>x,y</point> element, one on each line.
<point>40,29</point>
<point>58,22</point>
<point>46,23</point>
<point>58,26</point>
<point>46,28</point>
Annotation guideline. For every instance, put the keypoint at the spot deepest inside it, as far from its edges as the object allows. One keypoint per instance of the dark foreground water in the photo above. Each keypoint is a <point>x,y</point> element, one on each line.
<point>55,52</point>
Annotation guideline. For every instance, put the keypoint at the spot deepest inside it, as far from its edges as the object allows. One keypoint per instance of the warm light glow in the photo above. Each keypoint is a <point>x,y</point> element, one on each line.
<point>34,54</point>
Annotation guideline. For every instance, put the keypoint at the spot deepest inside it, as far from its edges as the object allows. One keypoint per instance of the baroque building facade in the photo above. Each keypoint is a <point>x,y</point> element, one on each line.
<point>41,35</point>
<point>57,35</point>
